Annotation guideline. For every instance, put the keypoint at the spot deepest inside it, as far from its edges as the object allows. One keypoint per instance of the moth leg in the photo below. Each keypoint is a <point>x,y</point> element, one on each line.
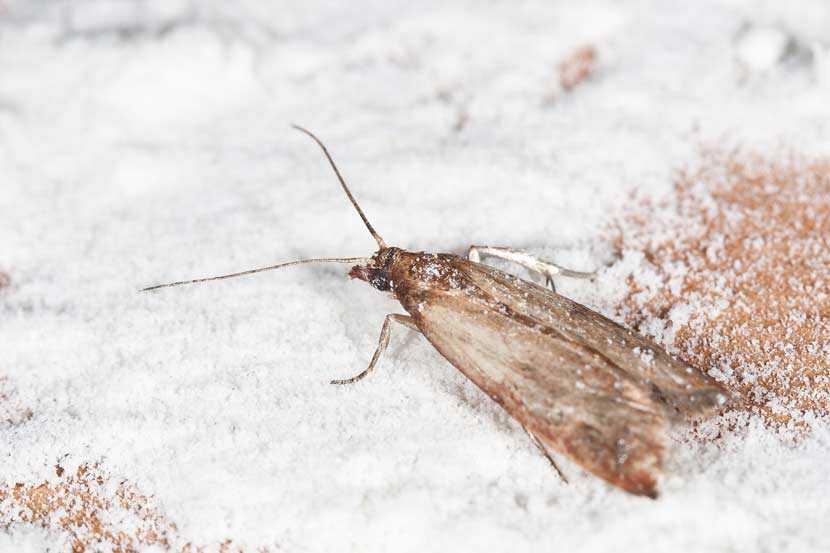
<point>543,267</point>
<point>405,320</point>
<point>547,454</point>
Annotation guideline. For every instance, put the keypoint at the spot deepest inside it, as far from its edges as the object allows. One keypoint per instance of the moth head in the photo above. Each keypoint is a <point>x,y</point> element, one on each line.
<point>376,271</point>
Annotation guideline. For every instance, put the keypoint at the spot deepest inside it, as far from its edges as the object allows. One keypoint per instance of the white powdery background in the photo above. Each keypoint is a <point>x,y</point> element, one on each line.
<point>142,142</point>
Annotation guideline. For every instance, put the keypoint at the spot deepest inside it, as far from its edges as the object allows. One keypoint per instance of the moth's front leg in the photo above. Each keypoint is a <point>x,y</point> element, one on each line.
<point>405,320</point>
<point>547,269</point>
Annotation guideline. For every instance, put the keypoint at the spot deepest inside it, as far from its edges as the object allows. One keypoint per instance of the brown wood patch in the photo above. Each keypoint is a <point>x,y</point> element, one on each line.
<point>577,67</point>
<point>736,275</point>
<point>89,510</point>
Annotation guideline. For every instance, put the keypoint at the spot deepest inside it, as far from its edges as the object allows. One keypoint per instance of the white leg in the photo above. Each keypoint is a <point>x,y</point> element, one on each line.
<point>405,320</point>
<point>547,269</point>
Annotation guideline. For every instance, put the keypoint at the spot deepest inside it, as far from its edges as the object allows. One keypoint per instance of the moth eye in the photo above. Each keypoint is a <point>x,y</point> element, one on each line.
<point>379,280</point>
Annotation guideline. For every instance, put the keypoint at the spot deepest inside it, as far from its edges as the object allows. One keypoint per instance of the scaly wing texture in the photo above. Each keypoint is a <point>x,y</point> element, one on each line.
<point>567,374</point>
<point>683,387</point>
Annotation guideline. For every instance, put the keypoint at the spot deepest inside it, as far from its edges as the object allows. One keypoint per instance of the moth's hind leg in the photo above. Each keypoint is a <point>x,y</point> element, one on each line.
<point>543,267</point>
<point>405,320</point>
<point>547,454</point>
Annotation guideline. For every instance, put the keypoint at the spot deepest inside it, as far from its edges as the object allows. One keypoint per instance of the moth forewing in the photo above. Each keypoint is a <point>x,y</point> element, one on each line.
<point>561,370</point>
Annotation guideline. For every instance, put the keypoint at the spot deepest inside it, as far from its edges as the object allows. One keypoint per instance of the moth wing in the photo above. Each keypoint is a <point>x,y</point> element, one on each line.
<point>568,375</point>
<point>568,397</point>
<point>686,389</point>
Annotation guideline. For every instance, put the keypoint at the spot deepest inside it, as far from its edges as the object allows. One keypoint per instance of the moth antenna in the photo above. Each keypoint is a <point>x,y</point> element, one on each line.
<point>356,260</point>
<point>366,222</point>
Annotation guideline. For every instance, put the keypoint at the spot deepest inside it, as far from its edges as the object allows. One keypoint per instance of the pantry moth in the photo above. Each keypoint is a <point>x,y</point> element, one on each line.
<point>580,384</point>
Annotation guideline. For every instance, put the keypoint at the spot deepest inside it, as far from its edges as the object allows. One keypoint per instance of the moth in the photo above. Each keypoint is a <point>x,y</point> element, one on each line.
<point>581,385</point>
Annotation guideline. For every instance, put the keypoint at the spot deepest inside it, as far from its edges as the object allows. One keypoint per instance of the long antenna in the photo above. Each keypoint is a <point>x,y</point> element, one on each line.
<point>271,268</point>
<point>366,222</point>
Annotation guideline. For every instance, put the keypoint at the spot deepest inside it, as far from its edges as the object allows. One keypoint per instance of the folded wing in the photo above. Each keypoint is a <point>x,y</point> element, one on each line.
<point>583,385</point>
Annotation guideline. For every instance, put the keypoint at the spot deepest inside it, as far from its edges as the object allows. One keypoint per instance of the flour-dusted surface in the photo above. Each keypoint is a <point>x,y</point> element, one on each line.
<point>142,142</point>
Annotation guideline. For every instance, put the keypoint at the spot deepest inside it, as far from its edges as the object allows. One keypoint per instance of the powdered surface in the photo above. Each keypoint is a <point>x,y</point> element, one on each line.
<point>143,142</point>
<point>735,278</point>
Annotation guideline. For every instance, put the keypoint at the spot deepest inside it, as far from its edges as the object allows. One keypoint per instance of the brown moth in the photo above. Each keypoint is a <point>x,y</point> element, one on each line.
<point>580,384</point>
